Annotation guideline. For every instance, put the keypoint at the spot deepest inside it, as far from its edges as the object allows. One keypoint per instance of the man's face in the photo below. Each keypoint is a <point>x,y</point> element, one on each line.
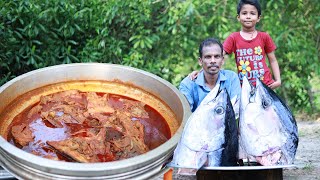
<point>212,59</point>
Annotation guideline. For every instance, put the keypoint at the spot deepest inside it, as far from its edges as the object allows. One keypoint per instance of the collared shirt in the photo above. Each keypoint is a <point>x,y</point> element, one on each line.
<point>196,90</point>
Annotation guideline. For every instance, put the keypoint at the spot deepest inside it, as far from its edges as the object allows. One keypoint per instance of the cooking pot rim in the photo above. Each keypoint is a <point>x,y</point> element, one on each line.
<point>53,164</point>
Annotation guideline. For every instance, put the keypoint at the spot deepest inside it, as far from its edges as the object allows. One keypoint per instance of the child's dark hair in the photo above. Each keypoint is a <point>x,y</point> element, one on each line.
<point>209,42</point>
<point>254,3</point>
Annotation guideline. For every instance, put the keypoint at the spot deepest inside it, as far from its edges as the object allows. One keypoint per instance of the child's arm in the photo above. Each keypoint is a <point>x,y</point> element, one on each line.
<point>275,70</point>
<point>194,74</point>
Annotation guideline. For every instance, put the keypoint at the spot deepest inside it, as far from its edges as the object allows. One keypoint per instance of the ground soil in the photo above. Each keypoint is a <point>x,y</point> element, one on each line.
<point>307,163</point>
<point>308,154</point>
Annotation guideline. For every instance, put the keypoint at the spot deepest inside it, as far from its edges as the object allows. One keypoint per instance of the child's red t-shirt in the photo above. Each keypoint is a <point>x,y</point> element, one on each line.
<point>250,56</point>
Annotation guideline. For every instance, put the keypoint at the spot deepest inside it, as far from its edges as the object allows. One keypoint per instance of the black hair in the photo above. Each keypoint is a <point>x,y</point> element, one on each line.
<point>208,42</point>
<point>254,3</point>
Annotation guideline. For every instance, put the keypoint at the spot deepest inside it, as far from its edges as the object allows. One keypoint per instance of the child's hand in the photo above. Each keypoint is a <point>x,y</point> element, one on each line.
<point>193,75</point>
<point>275,84</point>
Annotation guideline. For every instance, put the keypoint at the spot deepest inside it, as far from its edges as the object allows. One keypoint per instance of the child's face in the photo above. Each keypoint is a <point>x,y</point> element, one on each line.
<point>248,16</point>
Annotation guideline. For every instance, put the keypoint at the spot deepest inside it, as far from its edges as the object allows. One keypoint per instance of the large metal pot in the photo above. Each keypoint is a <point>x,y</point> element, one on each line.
<point>28,166</point>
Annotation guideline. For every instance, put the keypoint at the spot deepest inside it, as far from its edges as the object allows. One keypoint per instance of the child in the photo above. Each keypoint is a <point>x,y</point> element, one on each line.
<point>251,47</point>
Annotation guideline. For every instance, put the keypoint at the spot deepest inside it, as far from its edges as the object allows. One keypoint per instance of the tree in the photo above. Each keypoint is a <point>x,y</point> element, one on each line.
<point>159,36</point>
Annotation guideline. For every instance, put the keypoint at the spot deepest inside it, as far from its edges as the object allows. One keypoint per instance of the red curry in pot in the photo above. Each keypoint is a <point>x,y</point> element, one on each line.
<point>88,127</point>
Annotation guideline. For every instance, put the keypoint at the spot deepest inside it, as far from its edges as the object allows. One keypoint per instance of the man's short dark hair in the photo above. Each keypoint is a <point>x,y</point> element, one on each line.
<point>209,42</point>
<point>254,3</point>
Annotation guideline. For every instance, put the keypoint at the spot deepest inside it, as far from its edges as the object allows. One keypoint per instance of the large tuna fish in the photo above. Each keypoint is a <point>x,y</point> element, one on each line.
<point>210,137</point>
<point>268,130</point>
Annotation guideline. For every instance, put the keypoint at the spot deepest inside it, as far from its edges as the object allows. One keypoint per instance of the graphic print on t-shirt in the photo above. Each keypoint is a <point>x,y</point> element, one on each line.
<point>250,64</point>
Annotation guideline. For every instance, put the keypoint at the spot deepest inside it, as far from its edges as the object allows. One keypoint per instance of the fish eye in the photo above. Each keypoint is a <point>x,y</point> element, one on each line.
<point>266,102</point>
<point>219,110</point>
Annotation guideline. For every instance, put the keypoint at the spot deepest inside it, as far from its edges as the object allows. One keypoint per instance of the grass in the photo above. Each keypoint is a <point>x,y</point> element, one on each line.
<point>301,133</point>
<point>315,82</point>
<point>308,167</point>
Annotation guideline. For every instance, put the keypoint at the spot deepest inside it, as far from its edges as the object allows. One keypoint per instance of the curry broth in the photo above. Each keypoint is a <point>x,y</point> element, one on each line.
<point>156,127</point>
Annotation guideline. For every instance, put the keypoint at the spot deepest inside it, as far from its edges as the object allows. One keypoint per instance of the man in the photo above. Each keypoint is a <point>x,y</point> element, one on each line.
<point>211,59</point>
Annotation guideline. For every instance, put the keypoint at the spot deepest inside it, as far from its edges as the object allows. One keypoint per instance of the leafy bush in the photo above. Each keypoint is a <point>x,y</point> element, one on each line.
<point>159,36</point>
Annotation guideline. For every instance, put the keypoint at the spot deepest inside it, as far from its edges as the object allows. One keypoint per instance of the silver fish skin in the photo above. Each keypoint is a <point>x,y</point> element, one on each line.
<point>210,137</point>
<point>267,128</point>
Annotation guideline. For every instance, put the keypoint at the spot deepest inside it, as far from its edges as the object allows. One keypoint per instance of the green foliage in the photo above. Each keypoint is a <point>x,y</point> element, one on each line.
<point>295,27</point>
<point>159,36</point>
<point>36,34</point>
